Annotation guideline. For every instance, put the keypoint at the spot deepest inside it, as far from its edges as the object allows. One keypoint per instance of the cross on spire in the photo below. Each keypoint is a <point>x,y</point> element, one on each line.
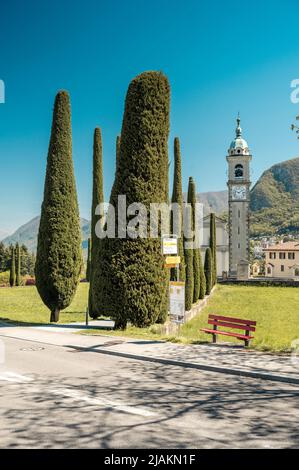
<point>238,129</point>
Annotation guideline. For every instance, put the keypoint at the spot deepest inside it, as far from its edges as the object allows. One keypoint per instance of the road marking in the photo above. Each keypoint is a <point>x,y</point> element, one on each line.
<point>102,402</point>
<point>14,377</point>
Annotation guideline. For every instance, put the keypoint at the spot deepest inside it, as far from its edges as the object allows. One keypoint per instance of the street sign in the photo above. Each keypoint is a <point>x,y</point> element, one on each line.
<point>177,301</point>
<point>172,260</point>
<point>169,245</point>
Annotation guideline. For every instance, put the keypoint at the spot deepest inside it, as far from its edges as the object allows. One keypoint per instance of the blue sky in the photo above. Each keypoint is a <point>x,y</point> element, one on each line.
<point>220,57</point>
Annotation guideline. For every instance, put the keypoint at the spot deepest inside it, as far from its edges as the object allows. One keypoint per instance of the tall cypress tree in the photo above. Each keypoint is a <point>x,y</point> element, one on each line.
<point>213,245</point>
<point>208,270</point>
<point>189,254</point>
<point>177,197</point>
<point>59,254</point>
<point>202,290</point>
<point>117,150</point>
<point>132,274</point>
<point>202,278</point>
<point>12,276</point>
<point>196,265</point>
<point>18,265</point>
<point>88,261</point>
<point>97,198</point>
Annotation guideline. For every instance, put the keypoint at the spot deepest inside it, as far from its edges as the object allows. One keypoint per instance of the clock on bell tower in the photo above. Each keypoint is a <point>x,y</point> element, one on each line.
<point>238,183</point>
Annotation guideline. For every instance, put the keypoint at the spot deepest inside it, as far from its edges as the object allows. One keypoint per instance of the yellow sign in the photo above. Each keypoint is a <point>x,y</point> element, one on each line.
<point>172,260</point>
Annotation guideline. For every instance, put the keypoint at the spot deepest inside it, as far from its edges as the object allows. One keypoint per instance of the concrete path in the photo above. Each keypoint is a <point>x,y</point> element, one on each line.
<point>226,359</point>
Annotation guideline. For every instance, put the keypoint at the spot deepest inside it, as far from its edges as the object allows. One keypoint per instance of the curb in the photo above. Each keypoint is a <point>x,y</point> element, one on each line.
<point>192,365</point>
<point>172,362</point>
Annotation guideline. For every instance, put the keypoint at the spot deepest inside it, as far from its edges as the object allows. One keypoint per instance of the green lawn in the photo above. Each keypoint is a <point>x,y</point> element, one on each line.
<point>276,310</point>
<point>23,304</point>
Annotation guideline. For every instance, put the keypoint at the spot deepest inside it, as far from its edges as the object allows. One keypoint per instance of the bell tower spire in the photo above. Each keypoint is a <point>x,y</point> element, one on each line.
<point>238,160</point>
<point>238,129</point>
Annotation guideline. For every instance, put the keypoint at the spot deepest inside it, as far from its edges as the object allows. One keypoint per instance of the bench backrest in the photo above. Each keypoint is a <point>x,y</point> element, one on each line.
<point>229,322</point>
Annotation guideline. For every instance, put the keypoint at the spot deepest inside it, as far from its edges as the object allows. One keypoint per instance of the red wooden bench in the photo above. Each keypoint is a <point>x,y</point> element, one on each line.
<point>229,322</point>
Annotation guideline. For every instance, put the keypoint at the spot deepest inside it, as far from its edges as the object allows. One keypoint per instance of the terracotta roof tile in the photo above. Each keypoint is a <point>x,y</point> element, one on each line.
<point>287,246</point>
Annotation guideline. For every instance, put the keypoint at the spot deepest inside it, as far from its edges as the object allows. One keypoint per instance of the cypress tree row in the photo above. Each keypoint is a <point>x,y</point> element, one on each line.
<point>196,254</point>
<point>18,265</point>
<point>188,254</point>
<point>177,197</point>
<point>213,245</point>
<point>88,262</point>
<point>132,273</point>
<point>59,256</point>
<point>97,198</point>
<point>12,276</point>
<point>208,270</point>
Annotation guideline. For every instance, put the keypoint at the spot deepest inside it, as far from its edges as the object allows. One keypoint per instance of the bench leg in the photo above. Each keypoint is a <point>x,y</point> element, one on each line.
<point>214,340</point>
<point>247,340</point>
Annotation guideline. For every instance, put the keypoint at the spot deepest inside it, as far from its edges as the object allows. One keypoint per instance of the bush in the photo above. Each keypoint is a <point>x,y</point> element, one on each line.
<point>29,281</point>
<point>4,279</point>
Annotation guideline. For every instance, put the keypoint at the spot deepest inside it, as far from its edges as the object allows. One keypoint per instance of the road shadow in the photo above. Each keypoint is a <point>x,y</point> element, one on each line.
<point>191,409</point>
<point>6,322</point>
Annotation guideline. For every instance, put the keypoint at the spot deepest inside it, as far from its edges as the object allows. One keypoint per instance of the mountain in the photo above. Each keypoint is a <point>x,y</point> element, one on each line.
<point>3,235</point>
<point>216,201</point>
<point>27,234</point>
<point>274,201</point>
<point>213,201</point>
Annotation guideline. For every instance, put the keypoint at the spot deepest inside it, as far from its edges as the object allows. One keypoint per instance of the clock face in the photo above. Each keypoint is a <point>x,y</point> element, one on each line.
<point>239,192</point>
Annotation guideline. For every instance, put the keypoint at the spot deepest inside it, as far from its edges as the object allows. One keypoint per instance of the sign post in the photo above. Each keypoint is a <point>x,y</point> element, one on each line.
<point>177,301</point>
<point>176,288</point>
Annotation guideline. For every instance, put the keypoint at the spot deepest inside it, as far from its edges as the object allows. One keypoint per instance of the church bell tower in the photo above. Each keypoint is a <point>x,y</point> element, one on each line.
<point>238,183</point>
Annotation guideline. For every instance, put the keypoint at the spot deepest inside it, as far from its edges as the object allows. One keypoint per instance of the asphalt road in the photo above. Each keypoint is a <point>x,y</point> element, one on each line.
<point>57,397</point>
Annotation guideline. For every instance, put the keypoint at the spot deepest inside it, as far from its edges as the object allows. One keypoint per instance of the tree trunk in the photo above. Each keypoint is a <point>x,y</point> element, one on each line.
<point>120,324</point>
<point>55,315</point>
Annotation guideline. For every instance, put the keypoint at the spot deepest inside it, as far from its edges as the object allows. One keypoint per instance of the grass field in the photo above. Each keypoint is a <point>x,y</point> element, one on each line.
<point>23,304</point>
<point>276,310</point>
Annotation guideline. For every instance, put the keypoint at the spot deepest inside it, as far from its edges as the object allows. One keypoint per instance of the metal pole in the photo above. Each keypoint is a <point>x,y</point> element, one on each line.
<point>86,316</point>
<point>177,272</point>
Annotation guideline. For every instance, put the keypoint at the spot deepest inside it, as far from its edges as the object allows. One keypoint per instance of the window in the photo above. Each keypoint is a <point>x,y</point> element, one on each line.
<point>272,255</point>
<point>238,230</point>
<point>291,255</point>
<point>282,268</point>
<point>269,270</point>
<point>239,213</point>
<point>282,256</point>
<point>239,171</point>
<point>238,245</point>
<point>297,272</point>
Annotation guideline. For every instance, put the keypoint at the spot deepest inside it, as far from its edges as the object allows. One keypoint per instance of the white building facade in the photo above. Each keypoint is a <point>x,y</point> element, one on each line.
<point>222,243</point>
